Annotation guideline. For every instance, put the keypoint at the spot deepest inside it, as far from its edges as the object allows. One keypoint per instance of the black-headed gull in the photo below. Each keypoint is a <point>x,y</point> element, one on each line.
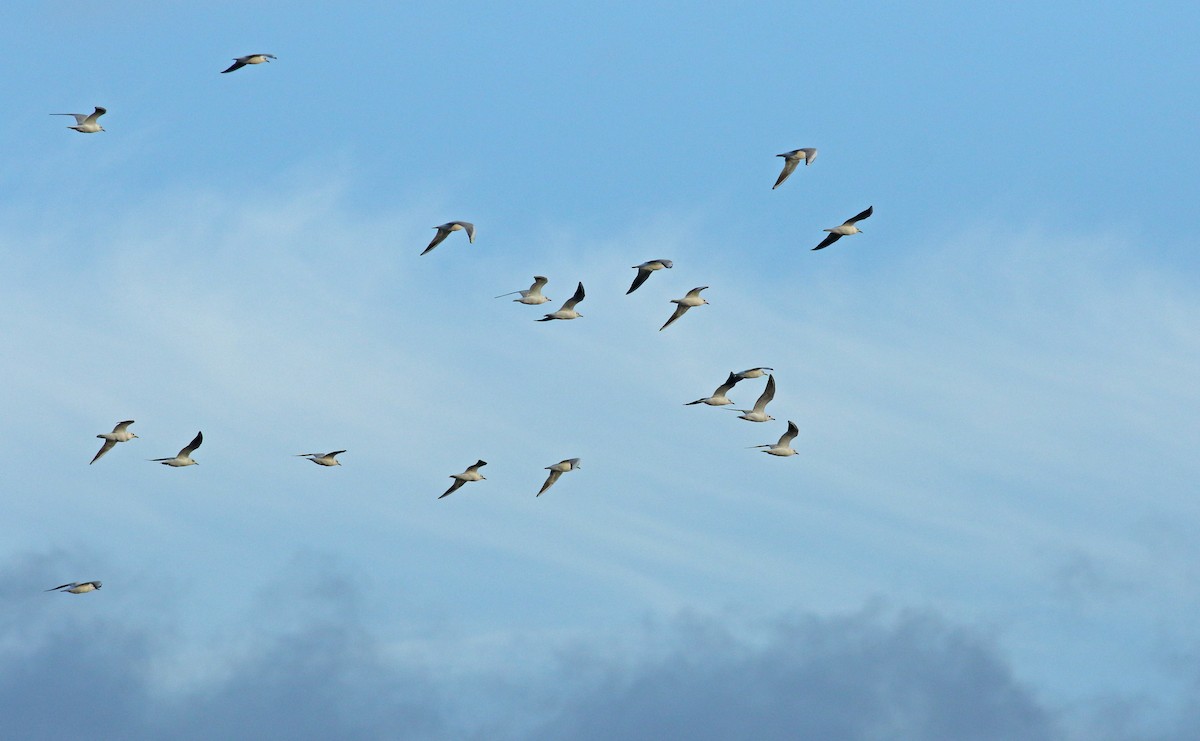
<point>240,62</point>
<point>120,434</point>
<point>184,458</point>
<point>845,229</point>
<point>793,158</point>
<point>644,270</point>
<point>683,304</point>
<point>323,459</point>
<point>558,469</point>
<point>759,412</point>
<point>534,295</point>
<point>718,398</point>
<point>77,587</point>
<point>85,123</point>
<point>568,308</point>
<point>443,231</point>
<point>783,447</point>
<point>471,474</point>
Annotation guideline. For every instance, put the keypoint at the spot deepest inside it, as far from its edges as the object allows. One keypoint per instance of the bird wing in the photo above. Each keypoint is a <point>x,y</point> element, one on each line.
<point>680,310</point>
<point>453,487</point>
<point>642,275</point>
<point>71,585</point>
<point>470,230</point>
<point>237,64</point>
<point>695,292</point>
<point>107,446</point>
<point>860,216</point>
<point>79,119</point>
<point>768,394</point>
<point>334,453</point>
<point>122,426</point>
<point>829,239</point>
<point>579,295</point>
<point>730,382</point>
<point>195,443</point>
<point>786,439</point>
<point>538,282</point>
<point>442,233</point>
<point>789,166</point>
<point>476,467</point>
<point>549,481</point>
<point>810,154</point>
<point>91,119</point>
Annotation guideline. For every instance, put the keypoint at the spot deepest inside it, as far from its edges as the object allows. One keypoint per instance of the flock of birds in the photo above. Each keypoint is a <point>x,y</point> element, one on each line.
<point>89,124</point>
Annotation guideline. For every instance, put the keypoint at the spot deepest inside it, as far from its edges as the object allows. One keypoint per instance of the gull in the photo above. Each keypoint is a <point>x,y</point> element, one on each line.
<point>248,59</point>
<point>753,373</point>
<point>783,447</point>
<point>759,412</point>
<point>120,434</point>
<point>444,230</point>
<point>691,299</point>
<point>718,398</point>
<point>85,123</point>
<point>323,459</point>
<point>558,469</point>
<point>644,271</point>
<point>534,295</point>
<point>184,457</point>
<point>77,587</point>
<point>568,309</point>
<point>791,159</point>
<point>471,474</point>
<point>845,229</point>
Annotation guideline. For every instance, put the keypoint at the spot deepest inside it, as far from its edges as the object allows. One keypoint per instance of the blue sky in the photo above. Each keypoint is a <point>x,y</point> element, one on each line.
<point>993,503</point>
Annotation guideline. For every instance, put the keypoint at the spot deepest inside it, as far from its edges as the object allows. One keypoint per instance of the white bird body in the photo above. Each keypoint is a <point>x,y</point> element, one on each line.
<point>845,229</point>
<point>77,587</point>
<point>184,458</point>
<point>644,271</point>
<point>471,474</point>
<point>558,469</point>
<point>85,123</point>
<point>533,296</point>
<point>323,459</point>
<point>120,434</point>
<point>240,62</point>
<point>718,398</point>
<point>759,412</point>
<point>444,230</point>
<point>753,373</point>
<point>793,158</point>
<point>683,304</point>
<point>568,308</point>
<point>783,447</point>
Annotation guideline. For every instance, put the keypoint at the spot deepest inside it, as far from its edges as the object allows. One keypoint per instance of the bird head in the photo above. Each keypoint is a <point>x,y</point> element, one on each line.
<point>96,584</point>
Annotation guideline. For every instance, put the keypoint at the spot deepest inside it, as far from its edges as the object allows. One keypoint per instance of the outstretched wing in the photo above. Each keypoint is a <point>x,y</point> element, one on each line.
<point>789,166</point>
<point>695,292</point>
<point>453,487</point>
<point>195,443</point>
<point>860,216</point>
<point>680,310</point>
<point>237,64</point>
<point>642,275</point>
<point>549,481</point>
<point>63,586</point>
<point>829,239</point>
<point>91,119</point>
<point>442,233</point>
<point>107,446</point>
<point>470,230</point>
<point>579,295</point>
<point>730,382</point>
<point>768,394</point>
<point>122,426</point>
<point>786,439</point>
<point>79,117</point>
<point>478,465</point>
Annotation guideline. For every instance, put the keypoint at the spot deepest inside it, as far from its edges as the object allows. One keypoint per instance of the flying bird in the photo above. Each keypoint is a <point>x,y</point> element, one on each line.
<point>534,295</point>
<point>691,299</point>
<point>718,398</point>
<point>444,230</point>
<point>558,469</point>
<point>759,412</point>
<point>248,59</point>
<point>77,587</point>
<point>120,434</point>
<point>323,459</point>
<point>185,456</point>
<point>568,308</point>
<point>845,229</point>
<point>85,123</point>
<point>791,159</point>
<point>783,447</point>
<point>644,270</point>
<point>752,373</point>
<point>471,474</point>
